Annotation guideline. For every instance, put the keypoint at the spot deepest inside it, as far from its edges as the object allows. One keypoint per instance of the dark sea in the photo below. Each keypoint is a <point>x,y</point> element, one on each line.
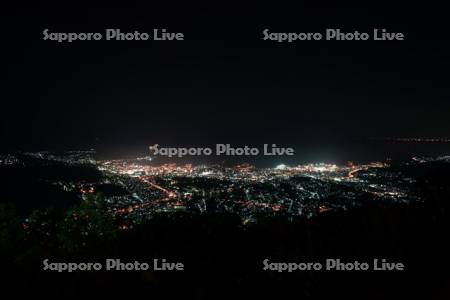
<point>338,153</point>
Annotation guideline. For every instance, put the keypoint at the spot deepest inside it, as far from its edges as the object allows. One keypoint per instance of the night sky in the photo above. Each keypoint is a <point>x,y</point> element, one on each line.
<point>223,84</point>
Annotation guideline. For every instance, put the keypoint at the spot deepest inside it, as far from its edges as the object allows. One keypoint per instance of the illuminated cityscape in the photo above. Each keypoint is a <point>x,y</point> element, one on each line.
<point>136,189</point>
<point>249,191</point>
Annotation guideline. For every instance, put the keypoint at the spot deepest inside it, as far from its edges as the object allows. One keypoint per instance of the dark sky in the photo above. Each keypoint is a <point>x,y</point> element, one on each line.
<point>223,84</point>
